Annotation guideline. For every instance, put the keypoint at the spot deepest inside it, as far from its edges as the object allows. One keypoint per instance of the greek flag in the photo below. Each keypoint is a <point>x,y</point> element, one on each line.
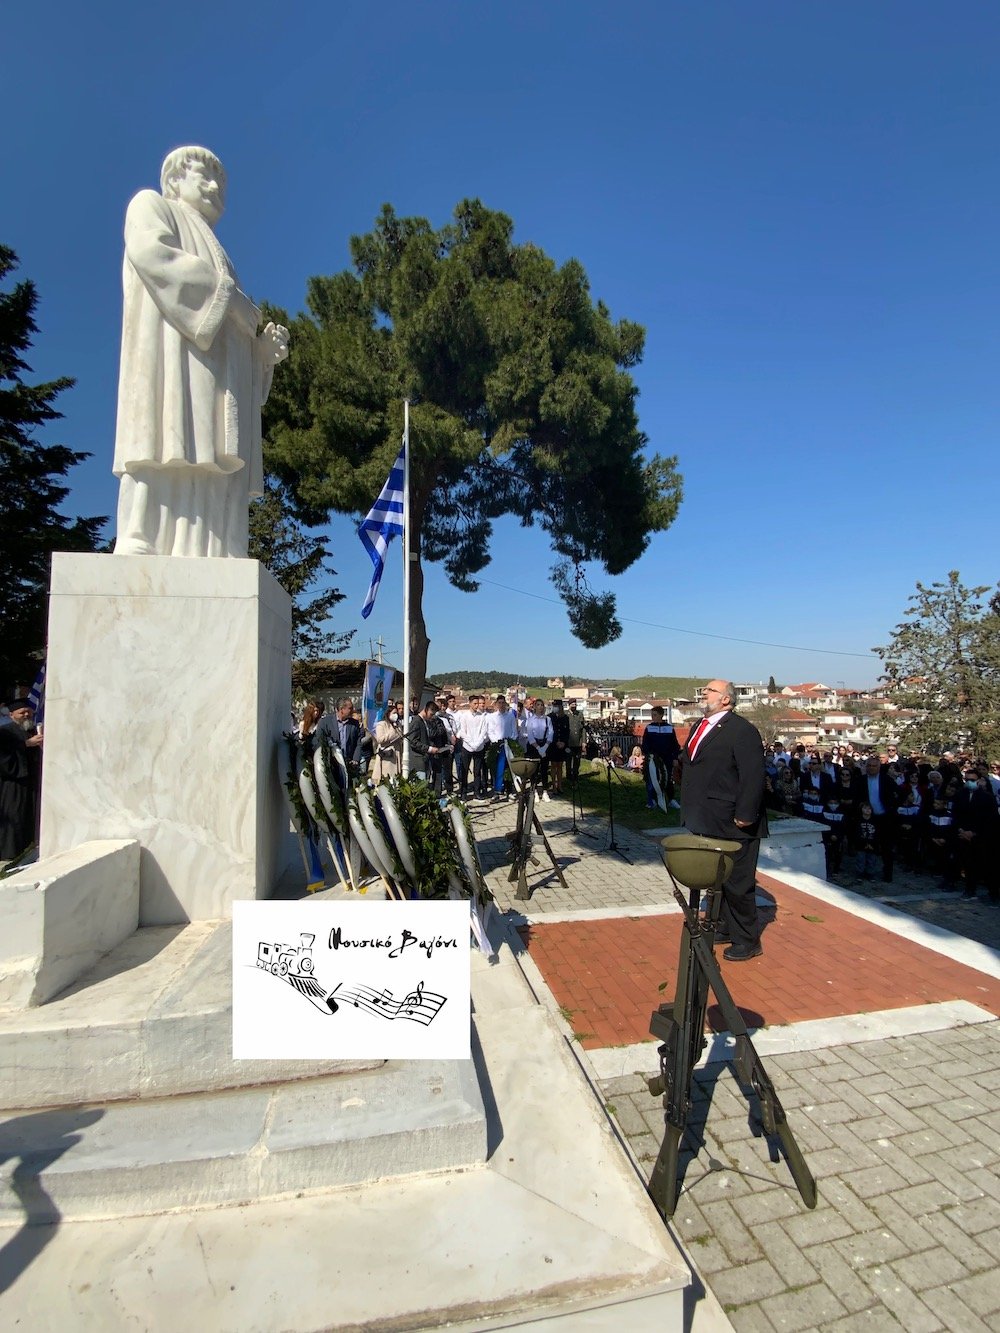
<point>36,696</point>
<point>384,521</point>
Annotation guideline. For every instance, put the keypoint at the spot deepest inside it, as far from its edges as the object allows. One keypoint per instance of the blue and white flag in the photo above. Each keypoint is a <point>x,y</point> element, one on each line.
<point>384,521</point>
<point>36,696</point>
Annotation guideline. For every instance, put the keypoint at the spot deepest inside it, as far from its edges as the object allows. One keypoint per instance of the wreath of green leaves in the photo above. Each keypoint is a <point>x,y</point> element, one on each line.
<point>291,784</point>
<point>430,835</point>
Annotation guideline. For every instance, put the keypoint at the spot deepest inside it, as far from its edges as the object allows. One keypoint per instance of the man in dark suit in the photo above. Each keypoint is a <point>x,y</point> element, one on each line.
<point>344,730</point>
<point>816,789</point>
<point>873,786</point>
<point>722,796</point>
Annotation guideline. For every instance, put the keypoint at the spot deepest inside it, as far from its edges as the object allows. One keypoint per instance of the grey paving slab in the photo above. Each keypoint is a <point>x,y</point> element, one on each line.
<point>595,876</point>
<point>907,1228</point>
<point>920,896</point>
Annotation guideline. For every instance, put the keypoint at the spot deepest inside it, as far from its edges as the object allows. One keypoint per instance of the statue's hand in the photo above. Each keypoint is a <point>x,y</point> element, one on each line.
<point>273,343</point>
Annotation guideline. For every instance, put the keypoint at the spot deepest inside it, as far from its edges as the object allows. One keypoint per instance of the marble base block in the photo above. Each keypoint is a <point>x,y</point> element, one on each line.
<point>61,915</point>
<point>168,687</point>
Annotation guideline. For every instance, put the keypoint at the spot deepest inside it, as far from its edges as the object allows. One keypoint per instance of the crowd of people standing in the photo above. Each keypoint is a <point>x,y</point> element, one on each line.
<point>457,749</point>
<point>939,817</point>
<point>465,749</point>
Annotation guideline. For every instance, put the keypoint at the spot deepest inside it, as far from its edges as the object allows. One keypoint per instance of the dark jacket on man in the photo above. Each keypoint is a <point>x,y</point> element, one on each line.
<point>329,725</point>
<point>722,783</point>
<point>725,782</point>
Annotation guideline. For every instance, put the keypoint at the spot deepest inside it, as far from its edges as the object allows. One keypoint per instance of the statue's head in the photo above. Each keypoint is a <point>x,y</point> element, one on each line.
<point>196,176</point>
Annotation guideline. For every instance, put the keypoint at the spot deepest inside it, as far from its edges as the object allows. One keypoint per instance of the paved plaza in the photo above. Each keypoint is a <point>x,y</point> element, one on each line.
<point>875,1010</point>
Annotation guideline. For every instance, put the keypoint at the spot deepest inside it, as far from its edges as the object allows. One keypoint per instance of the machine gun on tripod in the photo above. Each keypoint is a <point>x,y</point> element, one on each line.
<point>524,771</point>
<point>704,864</point>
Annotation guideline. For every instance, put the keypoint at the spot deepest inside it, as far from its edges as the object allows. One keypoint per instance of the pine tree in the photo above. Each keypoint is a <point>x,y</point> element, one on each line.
<point>523,404</point>
<point>31,527</point>
<point>297,561</point>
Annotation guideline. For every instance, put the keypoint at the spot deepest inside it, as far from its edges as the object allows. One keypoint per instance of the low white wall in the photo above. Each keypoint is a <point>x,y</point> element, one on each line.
<point>794,844</point>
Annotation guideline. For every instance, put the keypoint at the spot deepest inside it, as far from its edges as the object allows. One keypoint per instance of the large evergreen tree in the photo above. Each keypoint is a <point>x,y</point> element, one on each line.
<point>943,664</point>
<point>523,404</point>
<point>31,527</point>
<point>297,561</point>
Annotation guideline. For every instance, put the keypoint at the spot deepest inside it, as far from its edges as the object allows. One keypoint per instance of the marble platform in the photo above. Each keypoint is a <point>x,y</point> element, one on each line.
<point>554,1232</point>
<point>131,1159</point>
<point>152,1019</point>
<point>167,691</point>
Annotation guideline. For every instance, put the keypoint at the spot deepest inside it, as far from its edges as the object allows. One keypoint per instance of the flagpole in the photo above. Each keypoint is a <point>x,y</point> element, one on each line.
<point>409,690</point>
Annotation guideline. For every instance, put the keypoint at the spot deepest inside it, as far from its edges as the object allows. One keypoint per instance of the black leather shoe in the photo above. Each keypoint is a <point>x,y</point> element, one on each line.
<point>742,953</point>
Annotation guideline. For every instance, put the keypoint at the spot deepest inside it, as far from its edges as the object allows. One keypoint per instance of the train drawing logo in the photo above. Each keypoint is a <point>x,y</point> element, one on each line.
<point>294,964</point>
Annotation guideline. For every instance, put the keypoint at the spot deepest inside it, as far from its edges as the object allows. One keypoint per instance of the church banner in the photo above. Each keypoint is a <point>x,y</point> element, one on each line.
<point>378,687</point>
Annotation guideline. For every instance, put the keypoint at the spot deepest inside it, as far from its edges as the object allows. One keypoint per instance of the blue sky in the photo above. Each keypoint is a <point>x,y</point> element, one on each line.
<point>800,202</point>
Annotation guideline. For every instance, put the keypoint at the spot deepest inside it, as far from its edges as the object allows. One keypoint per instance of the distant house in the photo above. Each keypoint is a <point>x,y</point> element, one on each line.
<point>595,704</point>
<point>810,695</point>
<point>795,726</point>
<point>641,710</point>
<point>751,694</point>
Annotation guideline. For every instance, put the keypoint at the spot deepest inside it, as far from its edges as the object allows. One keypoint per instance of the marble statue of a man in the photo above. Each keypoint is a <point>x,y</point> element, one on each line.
<point>194,373</point>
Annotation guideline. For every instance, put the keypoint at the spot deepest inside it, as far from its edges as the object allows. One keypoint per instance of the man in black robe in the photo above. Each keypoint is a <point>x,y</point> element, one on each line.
<point>19,745</point>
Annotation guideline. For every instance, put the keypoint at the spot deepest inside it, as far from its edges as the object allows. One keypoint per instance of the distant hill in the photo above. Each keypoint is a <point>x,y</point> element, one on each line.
<point>666,687</point>
<point>490,680</point>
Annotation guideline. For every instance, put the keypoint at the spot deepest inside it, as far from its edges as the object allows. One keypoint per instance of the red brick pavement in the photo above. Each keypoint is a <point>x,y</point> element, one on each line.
<point>819,962</point>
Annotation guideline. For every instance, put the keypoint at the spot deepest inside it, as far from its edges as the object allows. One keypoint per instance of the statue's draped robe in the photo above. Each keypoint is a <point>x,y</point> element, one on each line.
<point>191,387</point>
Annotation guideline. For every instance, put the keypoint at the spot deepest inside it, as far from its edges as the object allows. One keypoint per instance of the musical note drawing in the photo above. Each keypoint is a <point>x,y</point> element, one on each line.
<point>294,964</point>
<point>418,1006</point>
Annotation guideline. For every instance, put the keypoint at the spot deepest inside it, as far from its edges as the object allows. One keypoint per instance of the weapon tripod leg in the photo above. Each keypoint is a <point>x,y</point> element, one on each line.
<point>664,1185</point>
<point>682,1026</point>
<point>524,840</point>
<point>518,837</point>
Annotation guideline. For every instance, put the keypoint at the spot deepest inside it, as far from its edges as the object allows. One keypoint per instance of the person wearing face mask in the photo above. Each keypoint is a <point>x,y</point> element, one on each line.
<point>19,746</point>
<point>388,744</point>
<point>978,835</point>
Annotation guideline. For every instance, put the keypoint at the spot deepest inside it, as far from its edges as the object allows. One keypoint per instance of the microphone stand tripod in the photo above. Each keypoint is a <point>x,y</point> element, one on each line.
<point>580,832</point>
<point>612,845</point>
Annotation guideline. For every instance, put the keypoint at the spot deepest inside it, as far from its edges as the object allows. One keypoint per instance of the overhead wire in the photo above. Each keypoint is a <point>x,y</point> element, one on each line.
<point>698,633</point>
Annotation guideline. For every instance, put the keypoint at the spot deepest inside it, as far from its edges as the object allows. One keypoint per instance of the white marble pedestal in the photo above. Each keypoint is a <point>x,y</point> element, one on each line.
<point>168,686</point>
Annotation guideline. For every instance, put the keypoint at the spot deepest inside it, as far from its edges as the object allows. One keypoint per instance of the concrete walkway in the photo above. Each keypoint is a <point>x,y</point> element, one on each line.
<point>875,1007</point>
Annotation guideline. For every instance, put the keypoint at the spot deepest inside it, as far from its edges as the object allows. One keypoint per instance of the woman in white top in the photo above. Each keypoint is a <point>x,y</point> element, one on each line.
<point>536,737</point>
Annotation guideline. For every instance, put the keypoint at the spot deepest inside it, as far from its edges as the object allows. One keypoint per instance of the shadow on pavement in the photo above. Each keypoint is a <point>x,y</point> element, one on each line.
<point>37,1140</point>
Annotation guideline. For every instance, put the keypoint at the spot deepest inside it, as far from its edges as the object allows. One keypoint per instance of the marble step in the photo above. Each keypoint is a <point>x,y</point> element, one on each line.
<point>226,1148</point>
<point>153,1018</point>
